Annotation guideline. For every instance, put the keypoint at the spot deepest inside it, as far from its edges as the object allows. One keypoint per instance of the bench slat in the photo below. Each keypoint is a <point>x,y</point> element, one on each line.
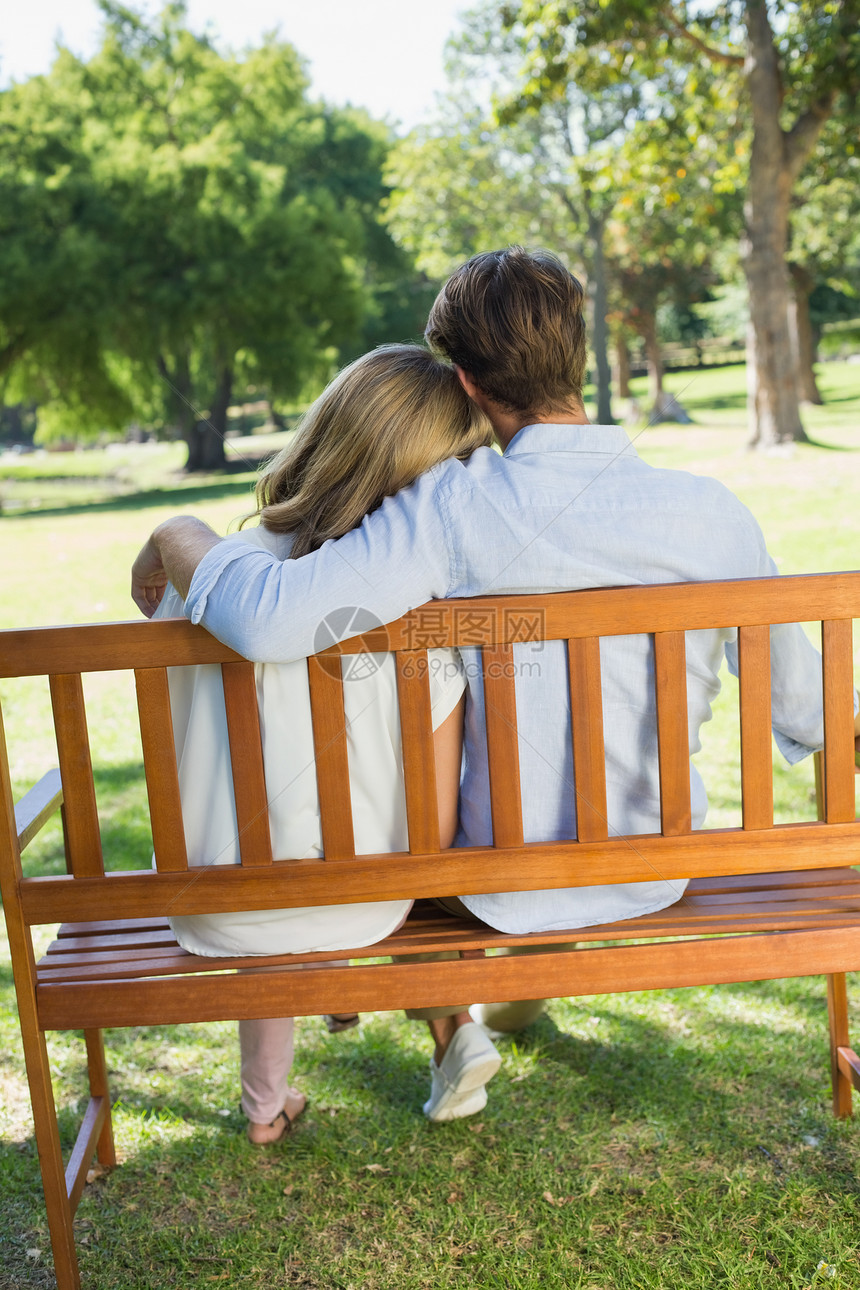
<point>246,758</point>
<point>162,779</point>
<point>837,653</point>
<point>589,762</point>
<point>597,611</point>
<point>389,986</point>
<point>80,813</point>
<point>330,749</point>
<point>137,952</point>
<point>419,762</point>
<point>37,806</point>
<point>502,750</point>
<point>834,880</point>
<point>673,740</point>
<point>469,869</point>
<point>755,726</point>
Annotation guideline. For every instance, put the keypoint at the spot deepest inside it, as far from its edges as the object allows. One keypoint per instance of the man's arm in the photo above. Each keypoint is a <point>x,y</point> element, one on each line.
<point>272,610</point>
<point>171,554</point>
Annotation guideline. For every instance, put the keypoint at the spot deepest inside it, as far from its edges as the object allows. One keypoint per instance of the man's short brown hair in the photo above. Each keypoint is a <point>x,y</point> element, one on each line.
<point>513,321</point>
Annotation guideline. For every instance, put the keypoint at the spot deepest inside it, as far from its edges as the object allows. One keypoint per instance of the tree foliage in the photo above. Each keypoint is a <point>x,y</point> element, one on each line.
<point>180,225</point>
<point>795,63</point>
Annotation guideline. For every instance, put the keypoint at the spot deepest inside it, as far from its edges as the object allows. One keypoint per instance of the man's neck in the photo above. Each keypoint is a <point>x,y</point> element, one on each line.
<point>506,425</point>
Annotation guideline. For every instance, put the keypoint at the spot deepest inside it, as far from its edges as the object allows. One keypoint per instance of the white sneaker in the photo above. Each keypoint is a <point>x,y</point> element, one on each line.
<point>476,1012</point>
<point>457,1085</point>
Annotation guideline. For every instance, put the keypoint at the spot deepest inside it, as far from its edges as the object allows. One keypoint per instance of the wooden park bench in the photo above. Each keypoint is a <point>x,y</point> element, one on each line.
<point>766,901</point>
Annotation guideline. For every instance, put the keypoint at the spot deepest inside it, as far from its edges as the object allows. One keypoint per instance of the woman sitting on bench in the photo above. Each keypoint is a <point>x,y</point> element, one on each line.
<point>382,422</point>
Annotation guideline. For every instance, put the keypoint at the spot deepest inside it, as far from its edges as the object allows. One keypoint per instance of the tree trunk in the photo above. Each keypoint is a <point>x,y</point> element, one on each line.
<point>648,331</point>
<point>206,437</point>
<point>773,407</point>
<point>803,337</point>
<point>180,406</point>
<point>621,375</point>
<point>599,329</point>
<point>664,406</point>
<point>275,417</point>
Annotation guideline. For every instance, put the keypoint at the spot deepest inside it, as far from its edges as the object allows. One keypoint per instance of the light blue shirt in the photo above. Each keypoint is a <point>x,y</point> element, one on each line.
<point>565,507</point>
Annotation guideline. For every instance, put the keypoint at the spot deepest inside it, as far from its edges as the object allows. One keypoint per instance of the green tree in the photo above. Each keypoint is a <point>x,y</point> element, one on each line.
<point>793,60</point>
<point>824,246</point>
<point>60,273</point>
<point>494,171</point>
<point>218,232</point>
<point>679,202</point>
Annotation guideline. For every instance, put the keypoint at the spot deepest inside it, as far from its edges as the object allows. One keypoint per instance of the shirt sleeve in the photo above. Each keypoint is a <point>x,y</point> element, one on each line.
<point>273,610</point>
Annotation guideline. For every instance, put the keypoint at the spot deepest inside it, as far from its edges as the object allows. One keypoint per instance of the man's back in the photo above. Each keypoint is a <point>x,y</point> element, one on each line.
<point>566,507</point>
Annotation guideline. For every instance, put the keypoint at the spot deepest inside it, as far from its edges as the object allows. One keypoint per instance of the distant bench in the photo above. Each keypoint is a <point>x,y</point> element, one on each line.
<point>765,902</point>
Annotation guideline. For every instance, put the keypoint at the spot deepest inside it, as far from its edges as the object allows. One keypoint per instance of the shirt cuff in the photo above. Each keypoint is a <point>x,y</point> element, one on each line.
<point>209,570</point>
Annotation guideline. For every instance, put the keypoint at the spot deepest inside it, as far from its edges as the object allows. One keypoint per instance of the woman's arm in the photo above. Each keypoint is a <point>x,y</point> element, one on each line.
<point>448,746</point>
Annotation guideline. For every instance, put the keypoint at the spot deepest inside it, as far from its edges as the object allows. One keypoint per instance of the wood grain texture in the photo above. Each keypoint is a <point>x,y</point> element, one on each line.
<point>108,647</point>
<point>849,1066</point>
<point>330,748</point>
<point>419,762</point>
<point>608,611</point>
<point>80,812</point>
<point>837,1012</point>
<point>589,761</point>
<point>33,1038</point>
<point>755,725</point>
<point>84,1149</point>
<point>97,1073</point>
<point>838,667</point>
<point>246,758</point>
<point>759,902</point>
<point>37,806</point>
<point>159,763</point>
<point>673,741</point>
<point>503,756</point>
<point>389,986</point>
<point>398,876</point>
<point>599,611</point>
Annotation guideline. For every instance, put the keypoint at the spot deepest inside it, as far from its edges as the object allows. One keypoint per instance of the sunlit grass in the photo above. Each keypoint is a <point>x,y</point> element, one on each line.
<point>677,1139</point>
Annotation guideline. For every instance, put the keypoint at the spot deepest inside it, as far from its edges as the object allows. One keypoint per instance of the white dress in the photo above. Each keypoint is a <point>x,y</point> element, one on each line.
<point>376,786</point>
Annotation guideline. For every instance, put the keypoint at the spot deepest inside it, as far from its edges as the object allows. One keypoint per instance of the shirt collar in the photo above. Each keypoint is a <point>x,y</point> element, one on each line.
<point>608,440</point>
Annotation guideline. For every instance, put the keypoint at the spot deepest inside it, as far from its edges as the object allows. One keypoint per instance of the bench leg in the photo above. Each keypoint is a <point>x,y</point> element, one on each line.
<point>837,1007</point>
<point>59,1207</point>
<point>97,1069</point>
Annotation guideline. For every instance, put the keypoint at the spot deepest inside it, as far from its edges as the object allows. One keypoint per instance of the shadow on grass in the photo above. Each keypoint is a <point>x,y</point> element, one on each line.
<point>828,447</point>
<point>179,496</point>
<point>125,832</point>
<point>646,1124</point>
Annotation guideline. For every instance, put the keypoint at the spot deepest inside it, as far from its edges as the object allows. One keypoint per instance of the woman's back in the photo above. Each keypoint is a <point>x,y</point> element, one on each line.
<point>376,786</point>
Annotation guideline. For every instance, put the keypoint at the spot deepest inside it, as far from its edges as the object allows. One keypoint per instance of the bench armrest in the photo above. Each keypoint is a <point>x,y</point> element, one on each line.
<point>36,807</point>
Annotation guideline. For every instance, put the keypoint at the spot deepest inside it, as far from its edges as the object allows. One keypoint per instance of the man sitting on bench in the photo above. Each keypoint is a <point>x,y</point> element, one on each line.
<point>566,505</point>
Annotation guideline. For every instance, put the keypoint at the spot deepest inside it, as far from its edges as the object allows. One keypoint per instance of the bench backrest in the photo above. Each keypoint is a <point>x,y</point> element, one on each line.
<point>494,625</point>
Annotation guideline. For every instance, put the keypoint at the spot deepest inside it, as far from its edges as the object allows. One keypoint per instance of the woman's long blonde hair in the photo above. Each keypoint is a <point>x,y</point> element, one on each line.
<point>382,421</point>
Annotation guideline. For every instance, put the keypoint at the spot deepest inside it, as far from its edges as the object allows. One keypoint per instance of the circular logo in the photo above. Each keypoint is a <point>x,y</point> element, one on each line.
<point>343,624</point>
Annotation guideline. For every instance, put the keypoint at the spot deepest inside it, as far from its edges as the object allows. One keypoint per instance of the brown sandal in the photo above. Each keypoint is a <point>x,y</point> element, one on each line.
<point>287,1126</point>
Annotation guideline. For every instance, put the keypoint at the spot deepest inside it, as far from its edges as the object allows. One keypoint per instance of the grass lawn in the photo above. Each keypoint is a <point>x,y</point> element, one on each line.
<point>676,1139</point>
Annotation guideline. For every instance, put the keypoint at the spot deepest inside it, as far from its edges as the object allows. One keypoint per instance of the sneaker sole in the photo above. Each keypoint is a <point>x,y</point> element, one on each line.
<point>470,1104</point>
